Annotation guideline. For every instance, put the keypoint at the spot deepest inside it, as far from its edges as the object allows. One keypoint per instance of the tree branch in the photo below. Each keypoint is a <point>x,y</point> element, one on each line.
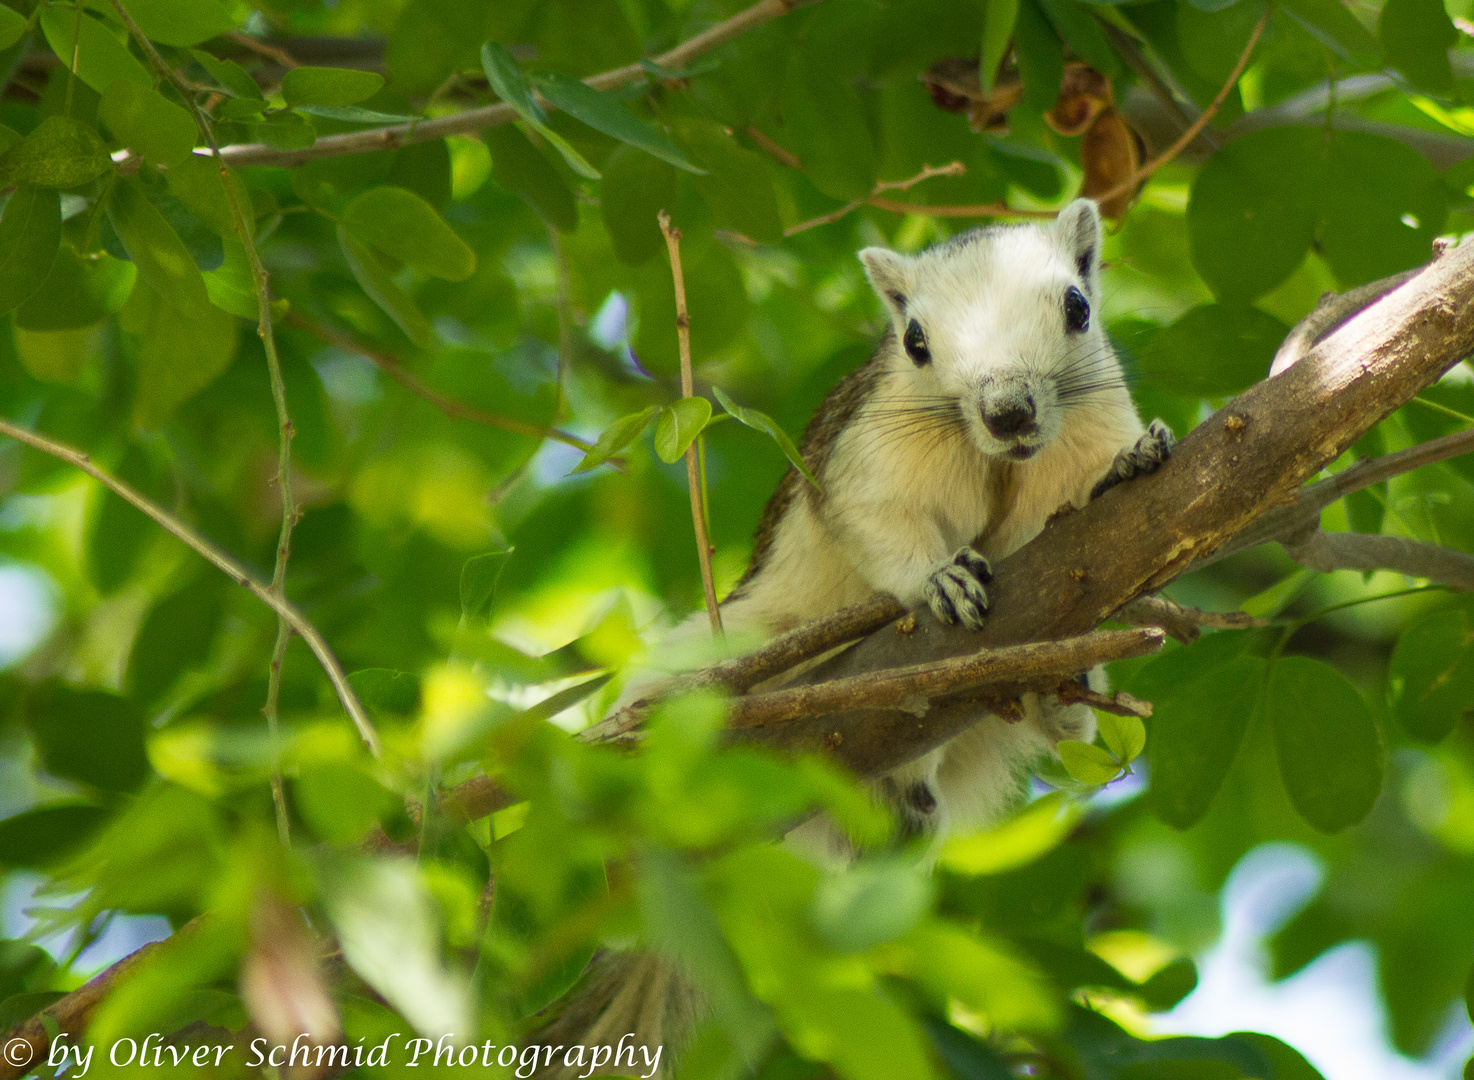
<point>1250,457</point>
<point>922,683</point>
<point>474,120</point>
<point>1326,551</point>
<point>220,560</point>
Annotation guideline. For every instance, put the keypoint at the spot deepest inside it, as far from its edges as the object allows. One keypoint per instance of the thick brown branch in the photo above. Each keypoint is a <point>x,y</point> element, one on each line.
<point>1252,456</point>
<point>912,688</point>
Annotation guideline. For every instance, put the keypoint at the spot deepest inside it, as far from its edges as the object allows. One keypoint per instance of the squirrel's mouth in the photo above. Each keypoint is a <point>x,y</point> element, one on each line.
<point>1022,451</point>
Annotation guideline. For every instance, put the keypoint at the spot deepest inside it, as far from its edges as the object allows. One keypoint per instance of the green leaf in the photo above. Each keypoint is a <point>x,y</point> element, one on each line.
<point>1169,985</point>
<point>615,438</point>
<point>88,736</point>
<point>1040,56</point>
<point>329,86</point>
<point>181,23</point>
<point>1251,220</point>
<point>636,188</point>
<point>12,25</point>
<point>228,74</point>
<point>1087,763</point>
<point>232,288</point>
<point>737,188</point>
<point>354,114</point>
<point>285,130</point>
<point>1124,735</point>
<point>30,235</point>
<point>1417,35</point>
<point>378,281</point>
<point>1195,735</point>
<point>179,354</point>
<point>828,127</point>
<point>965,1056</point>
<point>163,261</point>
<point>1381,206</point>
<point>1025,838</point>
<point>1430,677</point>
<point>148,123</point>
<point>998,22</point>
<point>764,423</point>
<point>1212,351</point>
<point>175,636</point>
<point>101,58</point>
<point>510,83</point>
<point>479,576</point>
<point>520,167</point>
<point>1329,750</point>
<point>870,902</point>
<point>119,532</point>
<point>604,112</point>
<point>48,834</point>
<point>65,357</point>
<point>60,153</point>
<point>384,690</point>
<point>77,292</point>
<point>339,802</point>
<point>406,228</point>
<point>196,183</point>
<point>1084,36</point>
<point>678,425</point>
<point>1337,29</point>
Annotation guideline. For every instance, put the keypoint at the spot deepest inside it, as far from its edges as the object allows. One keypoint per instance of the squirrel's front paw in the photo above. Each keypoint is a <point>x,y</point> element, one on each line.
<point>955,589</point>
<point>1145,456</point>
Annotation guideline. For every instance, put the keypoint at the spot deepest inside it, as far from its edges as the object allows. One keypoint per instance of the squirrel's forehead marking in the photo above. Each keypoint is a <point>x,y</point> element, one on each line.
<point>992,264</point>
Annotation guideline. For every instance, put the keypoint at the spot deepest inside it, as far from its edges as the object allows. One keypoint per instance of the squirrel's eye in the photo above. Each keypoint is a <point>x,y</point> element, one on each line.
<point>915,341</point>
<point>1077,310</point>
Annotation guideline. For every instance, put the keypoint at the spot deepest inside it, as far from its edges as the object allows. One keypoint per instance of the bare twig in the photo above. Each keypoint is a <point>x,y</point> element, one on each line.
<point>978,210</point>
<point>956,168</point>
<point>1186,138</point>
<point>693,468</point>
<point>218,559</point>
<point>1182,622</point>
<point>290,514</point>
<point>456,410</point>
<point>1121,703</point>
<point>918,683</point>
<point>473,120</point>
<point>264,48</point>
<point>778,153</point>
<point>783,653</point>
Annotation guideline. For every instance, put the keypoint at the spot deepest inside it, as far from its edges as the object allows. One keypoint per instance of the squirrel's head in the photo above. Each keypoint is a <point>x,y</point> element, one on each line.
<point>1001,319</point>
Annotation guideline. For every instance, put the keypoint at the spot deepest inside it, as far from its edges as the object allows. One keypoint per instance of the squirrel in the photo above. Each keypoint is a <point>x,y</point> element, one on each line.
<point>993,399</point>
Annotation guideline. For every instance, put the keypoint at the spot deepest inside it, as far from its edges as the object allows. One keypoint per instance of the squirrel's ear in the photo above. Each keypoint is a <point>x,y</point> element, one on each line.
<point>890,276</point>
<point>1078,231</point>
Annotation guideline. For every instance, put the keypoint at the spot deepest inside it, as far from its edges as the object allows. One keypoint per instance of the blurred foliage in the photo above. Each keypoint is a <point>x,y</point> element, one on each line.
<point>478,581</point>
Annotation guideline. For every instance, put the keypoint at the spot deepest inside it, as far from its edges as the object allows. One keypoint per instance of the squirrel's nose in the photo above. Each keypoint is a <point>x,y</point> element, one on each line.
<point>1014,419</point>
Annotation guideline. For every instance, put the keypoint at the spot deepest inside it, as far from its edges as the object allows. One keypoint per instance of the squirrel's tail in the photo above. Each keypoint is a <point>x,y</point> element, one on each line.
<point>631,1009</point>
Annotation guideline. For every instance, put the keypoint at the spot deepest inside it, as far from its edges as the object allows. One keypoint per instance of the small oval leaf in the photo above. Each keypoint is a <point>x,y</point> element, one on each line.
<point>678,425</point>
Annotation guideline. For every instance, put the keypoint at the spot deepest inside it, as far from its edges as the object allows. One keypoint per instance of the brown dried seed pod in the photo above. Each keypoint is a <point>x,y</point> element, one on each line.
<point>1110,153</point>
<point>1084,94</point>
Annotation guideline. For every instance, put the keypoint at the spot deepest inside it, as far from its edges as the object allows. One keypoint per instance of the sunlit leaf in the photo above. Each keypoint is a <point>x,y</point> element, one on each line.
<point>377,280</point>
<point>163,261</point>
<point>678,425</point>
<point>616,437</point>
<point>148,123</point>
<point>1125,736</point>
<point>101,58</point>
<point>60,153</point>
<point>1088,763</point>
<point>406,228</point>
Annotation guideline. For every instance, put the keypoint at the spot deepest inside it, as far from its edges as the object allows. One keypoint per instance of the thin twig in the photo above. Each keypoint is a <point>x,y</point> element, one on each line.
<point>216,558</point>
<point>956,168</point>
<point>783,653</point>
<point>780,154</point>
<point>1179,621</point>
<point>1317,549</point>
<point>693,468</point>
<point>1183,140</point>
<point>1126,46</point>
<point>473,120</point>
<point>262,48</point>
<point>290,514</point>
<point>977,210</point>
<point>918,683</point>
<point>456,410</point>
